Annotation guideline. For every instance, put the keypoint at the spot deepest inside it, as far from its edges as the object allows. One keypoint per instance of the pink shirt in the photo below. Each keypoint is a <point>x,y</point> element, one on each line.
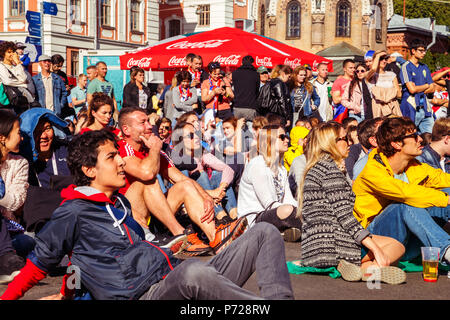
<point>209,160</point>
<point>339,85</point>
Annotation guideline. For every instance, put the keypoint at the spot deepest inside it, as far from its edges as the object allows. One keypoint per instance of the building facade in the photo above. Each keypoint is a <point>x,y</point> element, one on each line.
<point>314,25</point>
<point>83,24</point>
<point>402,31</point>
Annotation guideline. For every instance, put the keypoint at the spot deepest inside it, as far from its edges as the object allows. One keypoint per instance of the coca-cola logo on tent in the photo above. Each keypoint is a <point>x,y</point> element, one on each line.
<point>293,63</point>
<point>177,62</point>
<point>232,60</point>
<point>141,63</point>
<point>193,45</point>
<point>266,62</point>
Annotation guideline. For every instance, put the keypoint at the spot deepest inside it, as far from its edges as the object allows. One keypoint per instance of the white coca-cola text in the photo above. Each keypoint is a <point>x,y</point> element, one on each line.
<point>231,60</point>
<point>141,63</point>
<point>193,45</point>
<point>293,63</point>
<point>265,61</point>
<point>177,62</point>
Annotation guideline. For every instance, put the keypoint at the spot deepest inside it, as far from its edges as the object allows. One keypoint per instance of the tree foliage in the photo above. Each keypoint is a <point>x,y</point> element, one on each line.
<point>424,9</point>
<point>436,61</point>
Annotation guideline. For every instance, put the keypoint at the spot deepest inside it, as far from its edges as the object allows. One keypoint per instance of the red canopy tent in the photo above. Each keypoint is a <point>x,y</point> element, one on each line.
<point>224,45</point>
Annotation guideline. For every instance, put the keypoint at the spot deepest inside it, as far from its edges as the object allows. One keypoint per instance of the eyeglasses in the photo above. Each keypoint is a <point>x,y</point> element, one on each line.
<point>342,139</point>
<point>414,135</point>
<point>283,136</point>
<point>360,71</point>
<point>422,50</point>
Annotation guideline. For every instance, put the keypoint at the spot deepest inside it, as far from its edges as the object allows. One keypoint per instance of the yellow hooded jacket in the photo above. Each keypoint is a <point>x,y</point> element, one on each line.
<point>376,188</point>
<point>294,150</point>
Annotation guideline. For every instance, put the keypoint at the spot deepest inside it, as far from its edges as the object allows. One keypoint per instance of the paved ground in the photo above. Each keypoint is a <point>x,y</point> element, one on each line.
<point>315,287</point>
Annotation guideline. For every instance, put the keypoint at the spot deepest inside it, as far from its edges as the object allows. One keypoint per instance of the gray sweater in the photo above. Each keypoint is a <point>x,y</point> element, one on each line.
<point>181,107</point>
<point>330,232</point>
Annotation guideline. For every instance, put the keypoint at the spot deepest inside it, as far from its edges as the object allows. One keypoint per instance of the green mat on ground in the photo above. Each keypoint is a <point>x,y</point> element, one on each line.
<point>407,266</point>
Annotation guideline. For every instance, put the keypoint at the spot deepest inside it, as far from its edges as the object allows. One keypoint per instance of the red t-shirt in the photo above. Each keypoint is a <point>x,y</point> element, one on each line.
<point>112,129</point>
<point>126,150</point>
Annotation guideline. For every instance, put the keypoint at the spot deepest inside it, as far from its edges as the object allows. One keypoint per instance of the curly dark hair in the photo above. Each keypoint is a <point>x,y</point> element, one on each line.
<point>99,99</point>
<point>83,151</point>
<point>5,46</point>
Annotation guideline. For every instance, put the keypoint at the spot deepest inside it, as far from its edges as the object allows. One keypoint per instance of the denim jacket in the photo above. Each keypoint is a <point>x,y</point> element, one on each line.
<point>307,102</point>
<point>59,92</point>
<point>431,157</point>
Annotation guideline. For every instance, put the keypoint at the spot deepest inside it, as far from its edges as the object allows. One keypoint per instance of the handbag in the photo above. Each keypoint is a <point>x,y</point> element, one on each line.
<point>4,101</point>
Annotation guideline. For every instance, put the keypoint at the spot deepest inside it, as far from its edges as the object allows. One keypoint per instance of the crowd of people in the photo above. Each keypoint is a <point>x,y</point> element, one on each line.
<point>223,163</point>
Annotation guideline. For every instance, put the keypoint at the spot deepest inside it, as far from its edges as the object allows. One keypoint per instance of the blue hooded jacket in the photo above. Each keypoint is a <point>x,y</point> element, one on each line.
<point>28,123</point>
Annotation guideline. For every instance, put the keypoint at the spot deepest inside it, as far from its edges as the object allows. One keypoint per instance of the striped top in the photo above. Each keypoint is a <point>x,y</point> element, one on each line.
<point>330,232</point>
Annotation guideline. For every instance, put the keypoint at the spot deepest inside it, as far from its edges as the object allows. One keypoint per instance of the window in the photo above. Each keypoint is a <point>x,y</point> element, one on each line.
<point>318,5</point>
<point>74,60</point>
<point>105,7</point>
<point>379,24</point>
<point>263,20</point>
<point>174,28</point>
<point>75,11</point>
<point>16,8</point>
<point>293,20</point>
<point>203,12</point>
<point>135,14</point>
<point>343,18</point>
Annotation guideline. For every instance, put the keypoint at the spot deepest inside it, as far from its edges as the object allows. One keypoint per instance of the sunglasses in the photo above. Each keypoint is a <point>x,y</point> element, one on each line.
<point>342,139</point>
<point>384,58</point>
<point>191,135</point>
<point>360,71</point>
<point>165,128</point>
<point>414,135</point>
<point>283,136</point>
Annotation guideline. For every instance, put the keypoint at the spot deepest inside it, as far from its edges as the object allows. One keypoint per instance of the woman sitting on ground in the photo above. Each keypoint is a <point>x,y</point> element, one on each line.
<point>331,235</point>
<point>212,174</point>
<point>14,173</point>
<point>100,112</point>
<point>264,193</point>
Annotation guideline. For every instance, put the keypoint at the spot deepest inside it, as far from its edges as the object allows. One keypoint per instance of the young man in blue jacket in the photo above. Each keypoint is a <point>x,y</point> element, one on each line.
<point>94,225</point>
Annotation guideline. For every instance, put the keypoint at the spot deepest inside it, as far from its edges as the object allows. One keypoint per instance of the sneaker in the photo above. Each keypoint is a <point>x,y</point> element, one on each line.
<point>10,265</point>
<point>225,220</point>
<point>226,233</point>
<point>292,234</point>
<point>195,246</point>
<point>389,275</point>
<point>349,271</point>
<point>175,243</point>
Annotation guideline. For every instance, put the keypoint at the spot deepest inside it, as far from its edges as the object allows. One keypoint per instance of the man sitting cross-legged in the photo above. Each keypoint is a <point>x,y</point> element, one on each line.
<point>141,151</point>
<point>113,261</point>
<point>399,197</point>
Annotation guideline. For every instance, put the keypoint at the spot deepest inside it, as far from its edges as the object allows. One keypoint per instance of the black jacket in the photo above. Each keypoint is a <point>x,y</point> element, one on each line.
<point>246,86</point>
<point>280,95</point>
<point>131,96</point>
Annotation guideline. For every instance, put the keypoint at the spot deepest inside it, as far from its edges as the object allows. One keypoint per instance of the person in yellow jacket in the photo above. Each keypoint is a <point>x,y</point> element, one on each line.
<point>297,136</point>
<point>397,196</point>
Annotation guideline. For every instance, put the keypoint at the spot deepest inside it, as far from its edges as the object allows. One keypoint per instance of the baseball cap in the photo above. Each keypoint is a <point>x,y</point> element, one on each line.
<point>307,66</point>
<point>20,45</point>
<point>262,69</point>
<point>369,54</point>
<point>44,57</point>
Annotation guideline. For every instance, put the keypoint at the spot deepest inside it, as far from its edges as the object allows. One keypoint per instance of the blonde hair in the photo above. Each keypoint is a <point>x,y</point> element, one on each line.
<point>265,146</point>
<point>321,142</point>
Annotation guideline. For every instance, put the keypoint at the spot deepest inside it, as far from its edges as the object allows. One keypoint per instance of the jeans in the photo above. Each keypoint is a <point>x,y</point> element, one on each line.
<point>5,239</point>
<point>229,200</point>
<point>259,249</point>
<point>414,227</point>
<point>423,124</point>
<point>359,117</point>
<point>248,113</point>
